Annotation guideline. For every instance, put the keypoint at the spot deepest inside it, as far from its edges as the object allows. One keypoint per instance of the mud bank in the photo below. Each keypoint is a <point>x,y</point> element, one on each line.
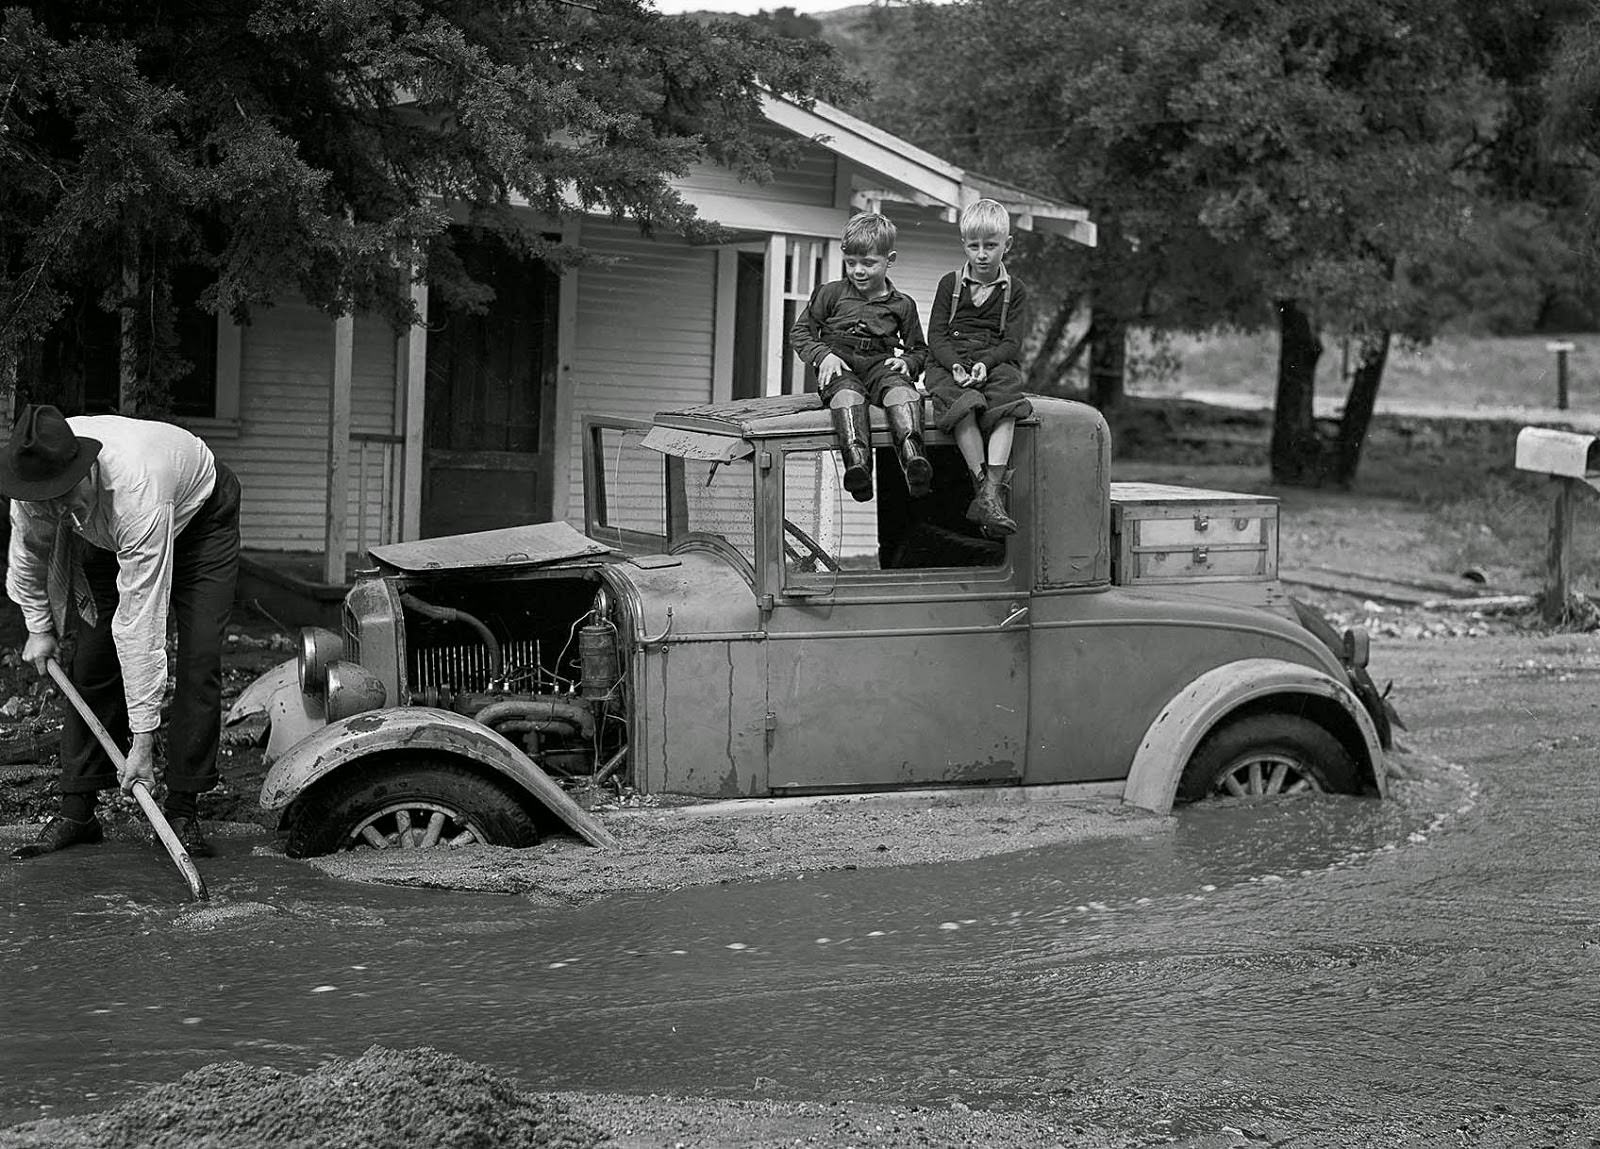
<point>666,849</point>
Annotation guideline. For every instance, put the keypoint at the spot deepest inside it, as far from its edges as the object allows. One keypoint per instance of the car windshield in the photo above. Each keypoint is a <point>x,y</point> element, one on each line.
<point>719,499</point>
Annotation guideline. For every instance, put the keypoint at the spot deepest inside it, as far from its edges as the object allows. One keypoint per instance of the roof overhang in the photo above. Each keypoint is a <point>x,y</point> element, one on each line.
<point>912,176</point>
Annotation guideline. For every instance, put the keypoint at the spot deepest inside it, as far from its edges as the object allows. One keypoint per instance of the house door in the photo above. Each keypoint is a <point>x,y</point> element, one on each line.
<point>489,427</point>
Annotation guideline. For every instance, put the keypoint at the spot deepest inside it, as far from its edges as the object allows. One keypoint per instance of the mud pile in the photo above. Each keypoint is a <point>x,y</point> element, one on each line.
<point>384,1098</point>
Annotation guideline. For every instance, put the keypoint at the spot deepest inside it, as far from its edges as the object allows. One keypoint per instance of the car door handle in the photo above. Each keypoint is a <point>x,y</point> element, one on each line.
<point>1017,614</point>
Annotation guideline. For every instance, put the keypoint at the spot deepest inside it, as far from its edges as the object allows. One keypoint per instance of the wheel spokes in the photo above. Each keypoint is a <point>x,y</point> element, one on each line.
<point>403,826</point>
<point>1266,776</point>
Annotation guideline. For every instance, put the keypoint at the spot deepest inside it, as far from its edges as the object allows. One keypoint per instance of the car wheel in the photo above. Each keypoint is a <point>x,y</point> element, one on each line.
<point>407,806</point>
<point>1267,755</point>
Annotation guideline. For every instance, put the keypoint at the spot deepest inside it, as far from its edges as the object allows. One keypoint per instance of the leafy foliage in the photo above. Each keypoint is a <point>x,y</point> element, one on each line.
<point>327,145</point>
<point>1233,152</point>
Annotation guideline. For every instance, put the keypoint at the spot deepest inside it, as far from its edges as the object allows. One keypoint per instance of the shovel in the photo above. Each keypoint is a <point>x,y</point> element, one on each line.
<point>158,820</point>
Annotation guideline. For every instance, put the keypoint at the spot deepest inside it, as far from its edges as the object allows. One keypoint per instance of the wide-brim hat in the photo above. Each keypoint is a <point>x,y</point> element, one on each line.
<point>44,459</point>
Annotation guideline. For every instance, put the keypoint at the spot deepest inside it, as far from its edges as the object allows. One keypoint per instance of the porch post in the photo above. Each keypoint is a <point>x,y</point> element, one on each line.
<point>567,408</point>
<point>412,417</point>
<point>336,539</point>
<point>727,315</point>
<point>772,333</point>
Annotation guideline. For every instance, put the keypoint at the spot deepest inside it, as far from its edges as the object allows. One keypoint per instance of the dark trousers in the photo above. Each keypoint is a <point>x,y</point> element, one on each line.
<point>205,569</point>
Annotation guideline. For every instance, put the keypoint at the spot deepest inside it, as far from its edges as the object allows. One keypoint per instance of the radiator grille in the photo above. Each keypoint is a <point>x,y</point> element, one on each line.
<point>352,634</point>
<point>466,667</point>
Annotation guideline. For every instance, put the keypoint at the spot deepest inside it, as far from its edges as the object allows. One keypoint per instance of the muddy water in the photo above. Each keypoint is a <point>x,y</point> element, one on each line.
<point>1246,939</point>
<point>1321,964</point>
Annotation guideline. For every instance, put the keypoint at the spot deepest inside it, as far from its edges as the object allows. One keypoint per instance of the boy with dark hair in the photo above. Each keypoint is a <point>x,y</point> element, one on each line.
<point>979,317</point>
<point>865,341</point>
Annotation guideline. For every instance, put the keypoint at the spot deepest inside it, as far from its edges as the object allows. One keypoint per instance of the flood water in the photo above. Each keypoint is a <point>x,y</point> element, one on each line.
<point>1338,953</point>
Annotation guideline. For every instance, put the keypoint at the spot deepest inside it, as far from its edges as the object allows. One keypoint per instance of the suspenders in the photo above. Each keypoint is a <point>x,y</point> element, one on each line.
<point>1005,303</point>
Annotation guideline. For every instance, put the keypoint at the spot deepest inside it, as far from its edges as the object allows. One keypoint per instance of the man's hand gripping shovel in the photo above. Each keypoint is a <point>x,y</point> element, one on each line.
<point>158,821</point>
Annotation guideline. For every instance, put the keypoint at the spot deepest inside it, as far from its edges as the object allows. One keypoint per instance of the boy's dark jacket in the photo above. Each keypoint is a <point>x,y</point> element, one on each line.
<point>956,338</point>
<point>840,319</point>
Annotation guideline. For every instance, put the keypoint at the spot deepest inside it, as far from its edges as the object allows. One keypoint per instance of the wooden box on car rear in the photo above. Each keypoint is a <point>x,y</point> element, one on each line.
<point>1166,534</point>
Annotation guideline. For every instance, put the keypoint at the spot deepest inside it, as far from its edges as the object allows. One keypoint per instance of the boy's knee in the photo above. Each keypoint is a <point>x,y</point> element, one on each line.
<point>897,394</point>
<point>1004,412</point>
<point>967,404</point>
<point>845,391</point>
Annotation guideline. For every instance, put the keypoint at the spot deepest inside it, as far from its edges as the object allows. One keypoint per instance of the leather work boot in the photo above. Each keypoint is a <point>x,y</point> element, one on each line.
<point>854,428</point>
<point>193,836</point>
<point>905,421</point>
<point>59,833</point>
<point>988,508</point>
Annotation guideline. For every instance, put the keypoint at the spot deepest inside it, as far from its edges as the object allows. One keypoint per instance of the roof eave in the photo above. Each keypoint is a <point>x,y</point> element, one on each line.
<point>911,175</point>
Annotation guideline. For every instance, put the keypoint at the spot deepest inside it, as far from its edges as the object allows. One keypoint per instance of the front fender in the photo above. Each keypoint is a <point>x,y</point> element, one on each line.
<point>1193,712</point>
<point>412,729</point>
<point>257,697</point>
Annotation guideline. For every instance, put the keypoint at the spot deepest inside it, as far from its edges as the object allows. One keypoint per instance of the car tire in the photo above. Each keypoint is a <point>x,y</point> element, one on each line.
<point>407,806</point>
<point>1268,755</point>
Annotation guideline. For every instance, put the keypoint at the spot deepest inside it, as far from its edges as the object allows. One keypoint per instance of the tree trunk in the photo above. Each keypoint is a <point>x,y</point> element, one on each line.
<point>1374,355</point>
<point>1043,373</point>
<point>128,314</point>
<point>1296,450</point>
<point>1108,360</point>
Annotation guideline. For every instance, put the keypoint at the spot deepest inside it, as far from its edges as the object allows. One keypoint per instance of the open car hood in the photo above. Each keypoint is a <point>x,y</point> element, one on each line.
<point>537,544</point>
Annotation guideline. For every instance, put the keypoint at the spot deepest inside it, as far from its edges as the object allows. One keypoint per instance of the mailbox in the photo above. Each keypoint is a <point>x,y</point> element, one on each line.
<point>1564,454</point>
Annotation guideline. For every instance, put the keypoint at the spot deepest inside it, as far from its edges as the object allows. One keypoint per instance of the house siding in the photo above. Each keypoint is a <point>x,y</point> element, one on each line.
<point>644,332</point>
<point>281,452</point>
<point>810,181</point>
<point>927,250</point>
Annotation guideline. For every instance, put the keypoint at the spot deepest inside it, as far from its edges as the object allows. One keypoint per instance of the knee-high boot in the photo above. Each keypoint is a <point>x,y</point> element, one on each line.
<point>905,421</point>
<point>853,427</point>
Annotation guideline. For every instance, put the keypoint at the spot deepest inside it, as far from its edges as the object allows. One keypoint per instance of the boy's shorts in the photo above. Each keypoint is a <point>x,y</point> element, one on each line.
<point>998,397</point>
<point>868,377</point>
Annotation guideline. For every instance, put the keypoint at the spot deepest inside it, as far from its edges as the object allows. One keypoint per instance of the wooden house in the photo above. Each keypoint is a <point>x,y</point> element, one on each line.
<point>345,436</point>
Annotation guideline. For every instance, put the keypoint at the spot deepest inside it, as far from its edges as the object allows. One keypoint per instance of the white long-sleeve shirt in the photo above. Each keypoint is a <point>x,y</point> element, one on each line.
<point>149,481</point>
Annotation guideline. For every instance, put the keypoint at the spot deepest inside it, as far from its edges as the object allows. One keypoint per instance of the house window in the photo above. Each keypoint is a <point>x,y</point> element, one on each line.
<point>804,266</point>
<point>760,293</point>
<point>90,380</point>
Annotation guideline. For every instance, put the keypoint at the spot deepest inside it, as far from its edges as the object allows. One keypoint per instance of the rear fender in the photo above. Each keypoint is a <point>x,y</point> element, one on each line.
<point>1193,712</point>
<point>415,729</point>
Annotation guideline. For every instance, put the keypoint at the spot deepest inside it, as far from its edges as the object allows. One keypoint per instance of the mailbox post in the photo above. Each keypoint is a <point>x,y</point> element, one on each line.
<point>1572,460</point>
<point>1562,348</point>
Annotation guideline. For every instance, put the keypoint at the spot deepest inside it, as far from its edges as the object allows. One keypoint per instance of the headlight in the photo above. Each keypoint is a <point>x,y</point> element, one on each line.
<point>352,689</point>
<point>318,647</point>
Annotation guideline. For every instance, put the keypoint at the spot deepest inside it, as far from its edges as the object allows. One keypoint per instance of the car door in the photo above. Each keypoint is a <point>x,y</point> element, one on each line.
<point>897,639</point>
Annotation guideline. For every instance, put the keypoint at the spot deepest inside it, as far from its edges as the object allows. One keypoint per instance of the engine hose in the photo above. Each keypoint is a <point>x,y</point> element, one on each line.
<point>538,725</point>
<point>536,709</point>
<point>451,614</point>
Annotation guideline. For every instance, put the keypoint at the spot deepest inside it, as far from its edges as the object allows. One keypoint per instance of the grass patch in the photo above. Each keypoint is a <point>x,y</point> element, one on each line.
<point>1461,370</point>
<point>1501,526</point>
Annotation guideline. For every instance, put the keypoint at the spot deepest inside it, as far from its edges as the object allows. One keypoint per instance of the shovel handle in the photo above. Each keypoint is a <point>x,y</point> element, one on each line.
<point>158,820</point>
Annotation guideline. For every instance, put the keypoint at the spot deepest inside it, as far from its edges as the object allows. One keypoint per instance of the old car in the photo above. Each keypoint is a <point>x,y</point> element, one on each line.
<point>731,625</point>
